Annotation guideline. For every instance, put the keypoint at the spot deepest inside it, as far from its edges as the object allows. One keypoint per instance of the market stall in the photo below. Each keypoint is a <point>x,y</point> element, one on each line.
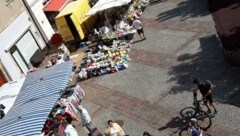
<point>109,45</point>
<point>38,95</point>
<point>116,17</point>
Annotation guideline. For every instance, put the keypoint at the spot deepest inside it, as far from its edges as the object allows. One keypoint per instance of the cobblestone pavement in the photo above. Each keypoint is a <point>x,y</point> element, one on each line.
<point>148,96</point>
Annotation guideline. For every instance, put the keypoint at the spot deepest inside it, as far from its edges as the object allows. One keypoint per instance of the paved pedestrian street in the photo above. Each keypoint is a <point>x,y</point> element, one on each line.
<point>181,43</point>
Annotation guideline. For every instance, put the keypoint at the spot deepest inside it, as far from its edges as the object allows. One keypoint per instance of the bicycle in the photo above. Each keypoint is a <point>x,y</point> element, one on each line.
<point>203,118</point>
<point>187,129</point>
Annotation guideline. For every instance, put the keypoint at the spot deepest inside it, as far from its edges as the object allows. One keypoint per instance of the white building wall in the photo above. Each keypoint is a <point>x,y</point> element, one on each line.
<point>12,68</point>
<point>10,36</point>
<point>37,8</point>
<point>38,37</point>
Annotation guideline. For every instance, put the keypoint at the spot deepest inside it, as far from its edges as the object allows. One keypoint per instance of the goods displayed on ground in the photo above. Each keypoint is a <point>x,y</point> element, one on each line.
<point>60,57</point>
<point>105,59</point>
<point>112,56</point>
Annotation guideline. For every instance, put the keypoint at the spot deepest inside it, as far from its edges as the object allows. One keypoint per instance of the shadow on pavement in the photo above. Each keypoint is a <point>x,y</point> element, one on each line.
<point>154,2</point>
<point>137,41</point>
<point>175,123</point>
<point>207,64</point>
<point>184,10</point>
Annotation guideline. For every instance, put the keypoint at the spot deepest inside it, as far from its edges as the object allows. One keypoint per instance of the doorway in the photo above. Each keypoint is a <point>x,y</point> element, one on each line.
<point>22,64</point>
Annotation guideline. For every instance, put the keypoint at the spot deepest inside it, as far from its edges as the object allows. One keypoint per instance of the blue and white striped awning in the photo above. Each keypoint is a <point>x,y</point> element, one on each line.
<point>36,99</point>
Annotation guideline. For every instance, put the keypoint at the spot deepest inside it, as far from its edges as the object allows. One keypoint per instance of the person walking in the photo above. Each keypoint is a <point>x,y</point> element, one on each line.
<point>206,90</point>
<point>85,117</point>
<point>113,129</point>
<point>69,130</point>
<point>137,24</point>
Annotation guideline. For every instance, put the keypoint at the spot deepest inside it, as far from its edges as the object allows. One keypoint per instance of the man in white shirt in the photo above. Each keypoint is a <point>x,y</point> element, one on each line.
<point>85,118</point>
<point>139,27</point>
<point>70,130</point>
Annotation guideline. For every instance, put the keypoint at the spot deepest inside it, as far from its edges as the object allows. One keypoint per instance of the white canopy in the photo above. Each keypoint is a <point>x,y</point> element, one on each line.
<point>9,92</point>
<point>106,4</point>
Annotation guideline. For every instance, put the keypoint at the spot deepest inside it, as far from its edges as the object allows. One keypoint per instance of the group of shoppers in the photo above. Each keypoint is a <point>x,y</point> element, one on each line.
<point>112,129</point>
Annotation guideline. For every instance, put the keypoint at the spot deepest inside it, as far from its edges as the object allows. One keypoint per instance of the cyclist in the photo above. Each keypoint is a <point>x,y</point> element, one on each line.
<point>205,88</point>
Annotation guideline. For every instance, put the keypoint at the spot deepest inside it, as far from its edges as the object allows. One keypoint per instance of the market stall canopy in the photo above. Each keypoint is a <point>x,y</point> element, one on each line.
<point>106,4</point>
<point>39,93</point>
<point>9,92</point>
<point>55,5</point>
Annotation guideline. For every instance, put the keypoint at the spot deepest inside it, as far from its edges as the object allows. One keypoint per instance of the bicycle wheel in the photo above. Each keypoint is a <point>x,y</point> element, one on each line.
<point>204,120</point>
<point>188,112</point>
<point>184,132</point>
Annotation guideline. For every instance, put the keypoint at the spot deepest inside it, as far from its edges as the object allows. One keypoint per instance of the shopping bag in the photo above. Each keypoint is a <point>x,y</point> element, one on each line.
<point>95,132</point>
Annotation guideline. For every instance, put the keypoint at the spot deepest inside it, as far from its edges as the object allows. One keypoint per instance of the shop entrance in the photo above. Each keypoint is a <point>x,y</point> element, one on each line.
<point>23,51</point>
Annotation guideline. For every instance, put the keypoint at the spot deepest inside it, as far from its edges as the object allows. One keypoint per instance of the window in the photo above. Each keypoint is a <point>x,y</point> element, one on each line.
<point>27,46</point>
<point>23,51</point>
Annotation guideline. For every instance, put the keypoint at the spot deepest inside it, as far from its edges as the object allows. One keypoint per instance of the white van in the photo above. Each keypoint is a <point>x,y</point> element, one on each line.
<point>9,92</point>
